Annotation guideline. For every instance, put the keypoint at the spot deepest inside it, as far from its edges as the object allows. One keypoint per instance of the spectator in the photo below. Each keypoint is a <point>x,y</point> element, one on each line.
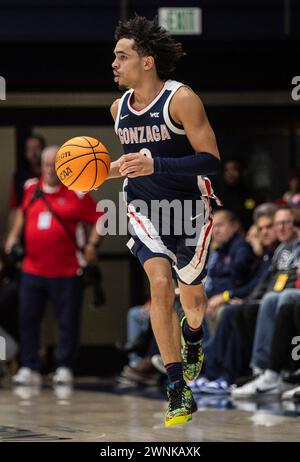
<point>230,265</point>
<point>287,326</point>
<point>224,356</point>
<point>144,357</point>
<point>51,214</point>
<point>283,275</point>
<point>138,320</point>
<point>30,168</point>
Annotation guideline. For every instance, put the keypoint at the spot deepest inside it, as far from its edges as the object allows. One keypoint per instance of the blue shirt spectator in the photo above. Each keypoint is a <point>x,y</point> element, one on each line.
<point>230,265</point>
<point>229,268</point>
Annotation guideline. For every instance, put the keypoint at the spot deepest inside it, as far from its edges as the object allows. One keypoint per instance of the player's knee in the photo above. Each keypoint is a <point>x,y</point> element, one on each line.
<point>161,287</point>
<point>195,304</point>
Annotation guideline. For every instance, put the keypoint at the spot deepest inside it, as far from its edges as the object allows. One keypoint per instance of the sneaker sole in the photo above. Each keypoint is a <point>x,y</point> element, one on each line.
<point>182,419</point>
<point>178,420</point>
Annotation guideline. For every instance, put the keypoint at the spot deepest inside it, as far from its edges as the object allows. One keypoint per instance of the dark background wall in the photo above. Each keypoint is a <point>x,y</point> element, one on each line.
<point>67,45</point>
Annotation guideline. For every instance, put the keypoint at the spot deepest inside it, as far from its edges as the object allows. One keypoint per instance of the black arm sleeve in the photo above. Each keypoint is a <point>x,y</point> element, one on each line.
<point>202,163</point>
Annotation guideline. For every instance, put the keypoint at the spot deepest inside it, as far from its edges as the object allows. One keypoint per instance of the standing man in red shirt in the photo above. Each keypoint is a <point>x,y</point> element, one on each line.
<point>50,215</point>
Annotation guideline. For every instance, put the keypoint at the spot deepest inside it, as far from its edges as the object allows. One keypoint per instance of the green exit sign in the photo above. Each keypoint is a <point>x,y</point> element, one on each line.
<point>184,21</point>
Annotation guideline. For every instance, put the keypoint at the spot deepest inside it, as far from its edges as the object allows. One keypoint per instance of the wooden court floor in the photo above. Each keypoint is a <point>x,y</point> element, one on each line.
<point>104,413</point>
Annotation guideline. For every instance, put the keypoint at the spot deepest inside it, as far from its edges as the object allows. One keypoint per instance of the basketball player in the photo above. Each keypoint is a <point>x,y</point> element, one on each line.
<point>168,144</point>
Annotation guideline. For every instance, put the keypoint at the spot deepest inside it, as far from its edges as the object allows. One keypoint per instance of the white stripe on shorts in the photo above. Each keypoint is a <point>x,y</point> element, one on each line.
<point>195,267</point>
<point>147,233</point>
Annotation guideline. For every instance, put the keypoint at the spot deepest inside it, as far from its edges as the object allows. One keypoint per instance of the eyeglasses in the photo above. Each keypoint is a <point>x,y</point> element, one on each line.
<point>284,223</point>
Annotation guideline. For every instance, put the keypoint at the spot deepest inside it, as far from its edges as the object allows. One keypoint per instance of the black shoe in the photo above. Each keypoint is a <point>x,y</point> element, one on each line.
<point>240,381</point>
<point>292,377</point>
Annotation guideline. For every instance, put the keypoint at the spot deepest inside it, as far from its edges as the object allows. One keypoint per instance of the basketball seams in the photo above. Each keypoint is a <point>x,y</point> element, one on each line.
<point>80,155</point>
<point>80,146</point>
<point>81,179</point>
<point>96,172</point>
<point>107,171</point>
<point>92,160</point>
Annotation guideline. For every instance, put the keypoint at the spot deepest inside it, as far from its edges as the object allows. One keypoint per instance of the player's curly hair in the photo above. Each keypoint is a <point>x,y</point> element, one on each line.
<point>152,40</point>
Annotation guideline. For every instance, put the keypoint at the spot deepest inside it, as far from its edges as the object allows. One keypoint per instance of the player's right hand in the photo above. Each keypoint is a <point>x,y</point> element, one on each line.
<point>136,164</point>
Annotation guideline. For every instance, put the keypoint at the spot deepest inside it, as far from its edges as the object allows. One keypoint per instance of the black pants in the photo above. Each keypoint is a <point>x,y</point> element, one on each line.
<point>245,317</point>
<point>225,352</point>
<point>286,328</point>
<point>66,294</point>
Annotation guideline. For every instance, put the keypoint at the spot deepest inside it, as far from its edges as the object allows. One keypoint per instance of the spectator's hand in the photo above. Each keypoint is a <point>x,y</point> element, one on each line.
<point>236,301</point>
<point>213,304</point>
<point>90,253</point>
<point>136,164</point>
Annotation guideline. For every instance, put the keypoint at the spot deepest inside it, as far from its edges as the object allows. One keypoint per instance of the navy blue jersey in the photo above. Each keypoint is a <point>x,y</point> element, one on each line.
<point>153,132</point>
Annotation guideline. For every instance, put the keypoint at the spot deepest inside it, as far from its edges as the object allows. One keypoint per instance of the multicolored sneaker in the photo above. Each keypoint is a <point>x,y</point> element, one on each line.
<point>192,357</point>
<point>181,404</point>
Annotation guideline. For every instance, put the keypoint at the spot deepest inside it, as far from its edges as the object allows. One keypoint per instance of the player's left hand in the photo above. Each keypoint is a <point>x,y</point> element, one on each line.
<point>136,164</point>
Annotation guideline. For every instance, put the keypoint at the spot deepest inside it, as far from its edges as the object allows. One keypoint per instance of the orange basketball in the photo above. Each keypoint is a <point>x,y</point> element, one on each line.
<point>82,163</point>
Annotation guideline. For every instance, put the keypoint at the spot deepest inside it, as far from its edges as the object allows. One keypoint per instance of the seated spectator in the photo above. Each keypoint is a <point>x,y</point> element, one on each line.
<point>224,355</point>
<point>140,369</point>
<point>287,326</point>
<point>230,265</point>
<point>138,320</point>
<point>284,276</point>
<point>144,357</point>
<point>50,215</point>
